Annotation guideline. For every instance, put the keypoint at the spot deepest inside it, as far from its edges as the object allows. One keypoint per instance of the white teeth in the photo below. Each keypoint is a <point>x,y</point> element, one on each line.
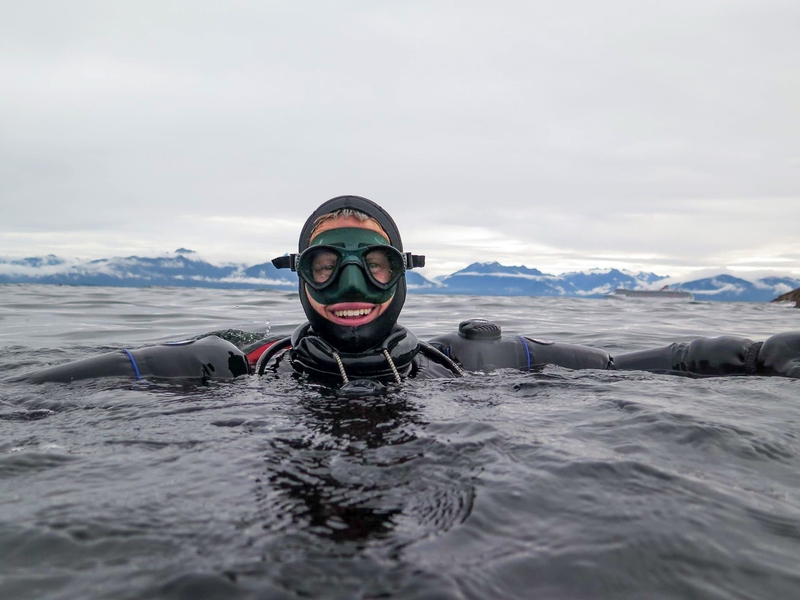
<point>361,312</point>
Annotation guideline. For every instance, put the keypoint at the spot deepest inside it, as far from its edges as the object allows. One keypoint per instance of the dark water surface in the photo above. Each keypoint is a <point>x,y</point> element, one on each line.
<point>553,484</point>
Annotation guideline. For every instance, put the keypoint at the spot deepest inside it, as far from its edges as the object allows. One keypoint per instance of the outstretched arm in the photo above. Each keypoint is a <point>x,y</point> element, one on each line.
<point>200,360</point>
<point>727,355</point>
<point>780,355</point>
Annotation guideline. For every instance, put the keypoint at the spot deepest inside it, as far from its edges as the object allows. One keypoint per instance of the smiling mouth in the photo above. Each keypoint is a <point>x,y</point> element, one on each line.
<point>348,314</point>
<point>352,314</point>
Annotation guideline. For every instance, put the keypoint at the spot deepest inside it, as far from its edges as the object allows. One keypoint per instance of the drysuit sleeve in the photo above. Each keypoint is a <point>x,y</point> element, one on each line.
<point>726,355</point>
<point>780,355</point>
<point>201,360</point>
<point>517,352</point>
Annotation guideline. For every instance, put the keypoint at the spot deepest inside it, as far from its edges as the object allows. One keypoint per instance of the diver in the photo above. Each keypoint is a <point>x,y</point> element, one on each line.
<point>351,269</point>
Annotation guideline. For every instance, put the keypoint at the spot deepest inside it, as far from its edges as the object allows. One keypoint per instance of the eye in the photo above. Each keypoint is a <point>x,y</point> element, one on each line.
<point>323,265</point>
<point>379,265</point>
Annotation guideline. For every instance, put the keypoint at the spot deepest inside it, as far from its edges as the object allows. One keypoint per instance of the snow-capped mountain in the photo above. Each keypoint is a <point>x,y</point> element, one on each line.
<point>727,288</point>
<point>185,268</point>
<point>494,279</point>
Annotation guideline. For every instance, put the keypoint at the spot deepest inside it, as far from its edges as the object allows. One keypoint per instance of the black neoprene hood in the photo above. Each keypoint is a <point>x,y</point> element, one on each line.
<point>360,204</point>
<point>361,338</point>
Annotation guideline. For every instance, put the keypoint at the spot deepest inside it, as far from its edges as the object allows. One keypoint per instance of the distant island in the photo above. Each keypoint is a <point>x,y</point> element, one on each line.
<point>793,296</point>
<point>184,268</point>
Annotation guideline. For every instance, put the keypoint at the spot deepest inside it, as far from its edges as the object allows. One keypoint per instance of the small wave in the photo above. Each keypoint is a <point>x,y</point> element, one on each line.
<point>24,463</point>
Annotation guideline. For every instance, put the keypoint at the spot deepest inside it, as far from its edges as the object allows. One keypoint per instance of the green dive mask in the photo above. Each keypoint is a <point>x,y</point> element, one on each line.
<point>351,265</point>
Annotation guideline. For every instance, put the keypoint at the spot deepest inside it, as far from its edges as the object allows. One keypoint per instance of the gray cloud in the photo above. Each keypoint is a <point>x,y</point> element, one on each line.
<point>558,135</point>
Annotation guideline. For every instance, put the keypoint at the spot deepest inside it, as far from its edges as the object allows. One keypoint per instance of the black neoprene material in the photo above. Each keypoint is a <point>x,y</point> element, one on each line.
<point>780,355</point>
<point>199,360</point>
<point>751,359</point>
<point>725,355</point>
<point>518,352</point>
<point>356,203</point>
<point>362,337</point>
<point>312,354</point>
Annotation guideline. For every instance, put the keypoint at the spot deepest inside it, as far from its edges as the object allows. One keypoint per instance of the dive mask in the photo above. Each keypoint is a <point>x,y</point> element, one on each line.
<point>350,263</point>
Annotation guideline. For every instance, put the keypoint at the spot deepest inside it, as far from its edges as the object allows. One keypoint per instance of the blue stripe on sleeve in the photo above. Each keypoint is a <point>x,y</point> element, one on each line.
<point>136,367</point>
<point>527,351</point>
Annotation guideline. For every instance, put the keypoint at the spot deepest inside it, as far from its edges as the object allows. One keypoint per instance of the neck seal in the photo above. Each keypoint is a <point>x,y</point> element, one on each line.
<point>313,355</point>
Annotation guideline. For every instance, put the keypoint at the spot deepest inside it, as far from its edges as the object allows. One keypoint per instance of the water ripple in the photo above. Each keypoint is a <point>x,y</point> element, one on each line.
<point>552,484</point>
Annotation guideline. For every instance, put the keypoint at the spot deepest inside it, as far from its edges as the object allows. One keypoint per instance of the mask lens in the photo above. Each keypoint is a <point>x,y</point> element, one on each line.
<point>318,265</point>
<point>381,265</point>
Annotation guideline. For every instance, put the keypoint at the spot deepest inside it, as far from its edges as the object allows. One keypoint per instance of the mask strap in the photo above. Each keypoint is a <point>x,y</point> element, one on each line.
<point>414,261</point>
<point>288,261</point>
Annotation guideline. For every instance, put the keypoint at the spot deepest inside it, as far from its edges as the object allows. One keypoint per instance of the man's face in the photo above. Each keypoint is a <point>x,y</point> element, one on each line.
<point>355,312</point>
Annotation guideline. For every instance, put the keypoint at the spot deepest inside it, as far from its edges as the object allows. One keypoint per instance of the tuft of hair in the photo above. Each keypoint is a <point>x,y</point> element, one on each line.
<point>344,212</point>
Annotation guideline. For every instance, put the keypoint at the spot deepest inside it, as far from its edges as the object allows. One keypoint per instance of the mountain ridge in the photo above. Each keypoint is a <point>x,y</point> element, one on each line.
<point>185,268</point>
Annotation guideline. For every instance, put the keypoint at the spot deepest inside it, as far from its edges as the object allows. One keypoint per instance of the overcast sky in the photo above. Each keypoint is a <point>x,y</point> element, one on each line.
<point>662,136</point>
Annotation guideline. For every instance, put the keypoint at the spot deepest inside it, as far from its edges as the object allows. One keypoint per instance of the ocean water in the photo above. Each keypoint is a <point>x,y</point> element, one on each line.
<point>550,484</point>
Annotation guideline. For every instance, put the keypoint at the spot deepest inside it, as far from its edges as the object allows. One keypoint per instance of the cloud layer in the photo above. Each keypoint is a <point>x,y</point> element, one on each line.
<point>563,136</point>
